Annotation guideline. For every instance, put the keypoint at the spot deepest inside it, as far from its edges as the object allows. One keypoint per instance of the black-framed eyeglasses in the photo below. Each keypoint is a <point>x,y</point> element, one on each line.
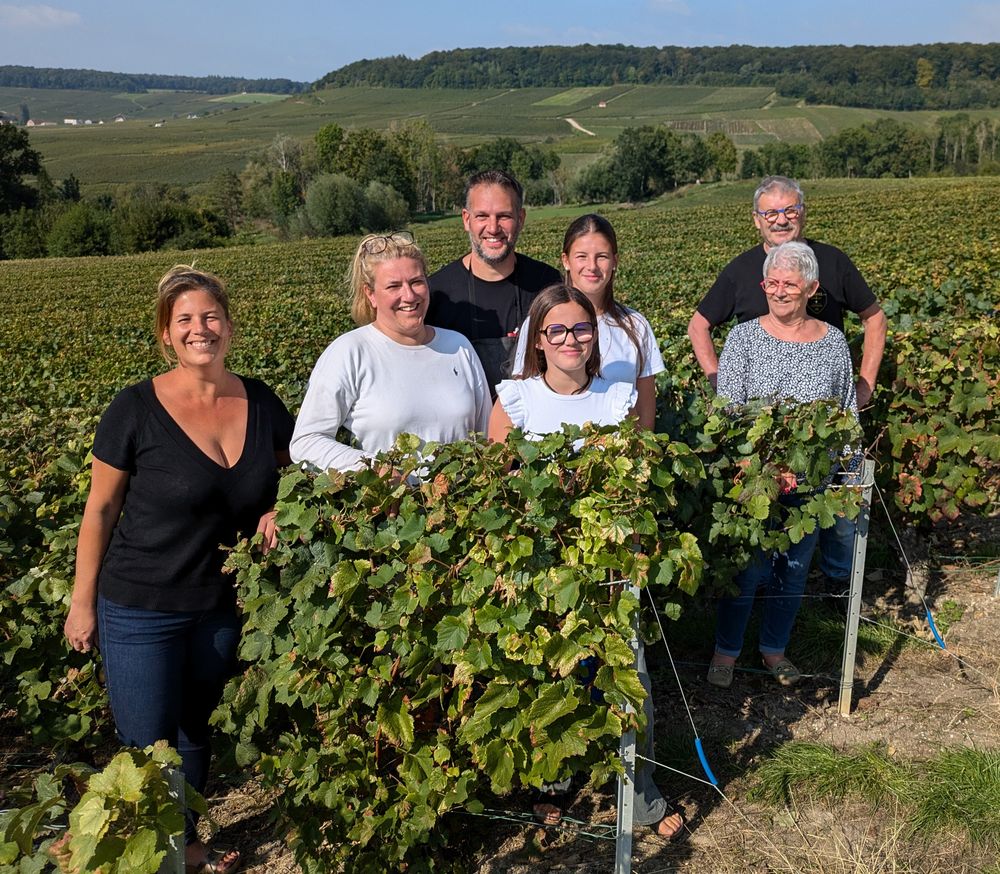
<point>789,212</point>
<point>556,334</point>
<point>376,244</point>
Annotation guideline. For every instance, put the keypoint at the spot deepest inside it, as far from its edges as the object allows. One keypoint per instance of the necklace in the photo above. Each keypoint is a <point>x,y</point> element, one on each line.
<point>554,390</point>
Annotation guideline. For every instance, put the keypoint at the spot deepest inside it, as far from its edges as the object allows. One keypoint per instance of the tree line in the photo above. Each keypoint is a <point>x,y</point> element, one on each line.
<point>136,83</point>
<point>342,181</point>
<point>40,217</point>
<point>958,145</point>
<point>936,76</point>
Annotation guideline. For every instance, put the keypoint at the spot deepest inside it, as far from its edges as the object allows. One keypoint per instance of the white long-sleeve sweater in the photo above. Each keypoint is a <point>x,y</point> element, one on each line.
<point>378,389</point>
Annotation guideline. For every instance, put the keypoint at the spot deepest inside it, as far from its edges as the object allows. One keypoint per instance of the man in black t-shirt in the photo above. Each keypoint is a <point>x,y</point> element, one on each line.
<point>779,213</point>
<point>485,294</point>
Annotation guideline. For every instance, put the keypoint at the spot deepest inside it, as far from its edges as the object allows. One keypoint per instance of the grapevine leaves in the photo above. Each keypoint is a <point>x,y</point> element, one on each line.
<point>415,647</point>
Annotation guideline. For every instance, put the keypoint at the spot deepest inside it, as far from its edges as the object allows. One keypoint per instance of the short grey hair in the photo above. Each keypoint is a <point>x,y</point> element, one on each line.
<point>778,183</point>
<point>793,256</point>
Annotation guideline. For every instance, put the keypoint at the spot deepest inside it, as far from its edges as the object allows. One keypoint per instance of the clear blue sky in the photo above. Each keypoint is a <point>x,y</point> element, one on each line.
<point>304,39</point>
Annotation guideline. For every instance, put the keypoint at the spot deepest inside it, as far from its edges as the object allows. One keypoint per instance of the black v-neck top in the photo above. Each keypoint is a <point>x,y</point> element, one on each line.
<point>181,505</point>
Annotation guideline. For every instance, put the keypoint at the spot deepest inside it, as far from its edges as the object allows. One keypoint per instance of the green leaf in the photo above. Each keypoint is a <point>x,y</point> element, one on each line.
<point>554,701</point>
<point>759,507</point>
<point>288,483</point>
<point>121,779</point>
<point>90,817</point>
<point>567,593</point>
<point>499,765</point>
<point>564,654</point>
<point>453,631</point>
<point>393,717</point>
<point>140,855</point>
<point>498,695</point>
<point>346,575</point>
<point>617,651</point>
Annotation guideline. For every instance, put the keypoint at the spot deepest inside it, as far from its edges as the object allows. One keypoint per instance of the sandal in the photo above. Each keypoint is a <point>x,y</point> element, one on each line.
<point>218,862</point>
<point>784,672</point>
<point>720,676</point>
<point>549,802</point>
<point>677,833</point>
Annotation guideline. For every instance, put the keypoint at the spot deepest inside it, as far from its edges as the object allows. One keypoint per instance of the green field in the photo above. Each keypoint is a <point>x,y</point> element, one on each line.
<point>231,129</point>
<point>55,105</point>
<point>75,331</point>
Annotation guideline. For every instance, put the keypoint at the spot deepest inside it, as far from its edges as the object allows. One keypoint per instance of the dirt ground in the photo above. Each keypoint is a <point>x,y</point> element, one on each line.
<point>915,699</point>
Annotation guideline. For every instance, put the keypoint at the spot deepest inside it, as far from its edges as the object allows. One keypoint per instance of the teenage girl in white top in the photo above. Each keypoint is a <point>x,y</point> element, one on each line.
<point>628,348</point>
<point>560,380</point>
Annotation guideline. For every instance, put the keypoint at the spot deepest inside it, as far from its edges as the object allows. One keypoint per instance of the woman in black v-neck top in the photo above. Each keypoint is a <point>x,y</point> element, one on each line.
<point>183,463</point>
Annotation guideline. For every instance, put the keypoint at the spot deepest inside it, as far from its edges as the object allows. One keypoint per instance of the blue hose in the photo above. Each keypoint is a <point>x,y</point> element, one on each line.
<point>704,763</point>
<point>934,631</point>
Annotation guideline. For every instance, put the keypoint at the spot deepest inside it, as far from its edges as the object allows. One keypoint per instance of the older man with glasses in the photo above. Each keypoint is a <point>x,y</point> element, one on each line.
<point>779,213</point>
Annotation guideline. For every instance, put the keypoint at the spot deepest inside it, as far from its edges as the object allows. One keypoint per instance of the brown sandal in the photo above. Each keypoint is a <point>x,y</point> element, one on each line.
<point>218,862</point>
<point>674,835</point>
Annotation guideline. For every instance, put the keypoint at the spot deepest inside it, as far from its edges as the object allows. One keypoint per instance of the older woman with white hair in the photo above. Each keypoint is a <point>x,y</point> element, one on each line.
<point>783,355</point>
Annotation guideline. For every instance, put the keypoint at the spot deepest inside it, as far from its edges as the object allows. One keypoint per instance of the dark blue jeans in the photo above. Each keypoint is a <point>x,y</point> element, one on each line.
<point>165,674</point>
<point>836,549</point>
<point>781,580</point>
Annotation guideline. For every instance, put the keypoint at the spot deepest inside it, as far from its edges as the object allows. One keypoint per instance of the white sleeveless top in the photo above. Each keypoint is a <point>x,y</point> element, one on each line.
<point>534,408</point>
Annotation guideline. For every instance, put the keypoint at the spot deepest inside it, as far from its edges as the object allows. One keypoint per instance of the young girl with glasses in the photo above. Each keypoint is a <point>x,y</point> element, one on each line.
<point>560,382</point>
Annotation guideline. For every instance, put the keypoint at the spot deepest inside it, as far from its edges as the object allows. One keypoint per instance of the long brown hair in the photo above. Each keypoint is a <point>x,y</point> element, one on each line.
<point>534,358</point>
<point>592,223</point>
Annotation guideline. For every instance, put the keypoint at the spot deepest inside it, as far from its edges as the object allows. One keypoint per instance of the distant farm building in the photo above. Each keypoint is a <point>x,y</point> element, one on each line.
<point>119,118</point>
<point>603,104</point>
<point>71,121</point>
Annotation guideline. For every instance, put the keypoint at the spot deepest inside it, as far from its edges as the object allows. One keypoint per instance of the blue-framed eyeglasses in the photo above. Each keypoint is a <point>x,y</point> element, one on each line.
<point>789,212</point>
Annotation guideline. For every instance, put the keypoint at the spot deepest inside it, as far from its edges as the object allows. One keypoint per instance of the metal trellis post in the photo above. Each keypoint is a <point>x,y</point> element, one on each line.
<point>857,582</point>
<point>173,862</point>
<point>626,783</point>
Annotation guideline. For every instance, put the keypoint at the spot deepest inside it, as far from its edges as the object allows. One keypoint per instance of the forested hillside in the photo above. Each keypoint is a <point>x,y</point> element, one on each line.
<point>936,76</point>
<point>97,80</point>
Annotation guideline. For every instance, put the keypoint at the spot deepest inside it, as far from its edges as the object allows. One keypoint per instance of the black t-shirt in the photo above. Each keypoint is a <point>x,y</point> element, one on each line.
<point>737,290</point>
<point>481,309</point>
<point>488,313</point>
<point>181,505</point>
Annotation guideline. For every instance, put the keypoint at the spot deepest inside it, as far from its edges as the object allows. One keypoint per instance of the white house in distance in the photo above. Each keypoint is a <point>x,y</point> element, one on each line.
<point>72,121</point>
<point>119,118</point>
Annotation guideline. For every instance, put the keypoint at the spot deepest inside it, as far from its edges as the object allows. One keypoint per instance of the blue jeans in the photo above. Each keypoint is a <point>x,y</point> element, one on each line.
<point>165,674</point>
<point>836,549</point>
<point>782,579</point>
